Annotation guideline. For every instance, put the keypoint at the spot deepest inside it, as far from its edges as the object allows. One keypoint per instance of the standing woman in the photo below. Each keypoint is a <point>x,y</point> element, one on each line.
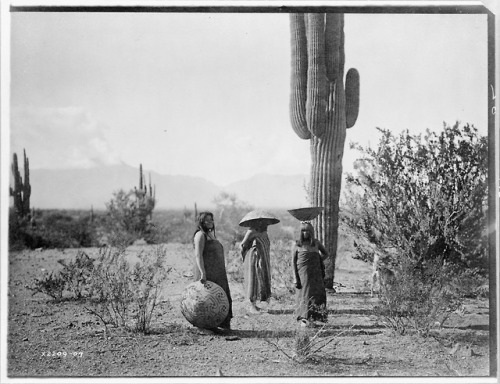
<point>255,251</point>
<point>209,259</point>
<point>309,272</point>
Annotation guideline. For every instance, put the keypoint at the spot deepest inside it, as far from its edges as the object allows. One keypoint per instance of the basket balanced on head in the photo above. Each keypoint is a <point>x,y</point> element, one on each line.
<point>205,306</point>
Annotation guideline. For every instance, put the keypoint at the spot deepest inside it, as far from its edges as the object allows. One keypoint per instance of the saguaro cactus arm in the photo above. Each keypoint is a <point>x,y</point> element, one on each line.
<point>298,95</point>
<point>26,185</point>
<point>351,97</point>
<point>334,45</point>
<point>317,69</point>
<point>316,74</point>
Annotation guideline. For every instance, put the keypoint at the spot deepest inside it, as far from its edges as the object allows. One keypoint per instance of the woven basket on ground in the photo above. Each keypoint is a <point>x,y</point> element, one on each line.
<point>204,305</point>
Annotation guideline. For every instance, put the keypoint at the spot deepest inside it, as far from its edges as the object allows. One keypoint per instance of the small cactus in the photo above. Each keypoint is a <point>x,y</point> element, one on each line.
<point>145,201</point>
<point>22,189</point>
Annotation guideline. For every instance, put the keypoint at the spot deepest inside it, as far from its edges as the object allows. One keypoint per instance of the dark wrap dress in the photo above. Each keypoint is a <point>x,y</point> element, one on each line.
<point>215,270</point>
<point>257,268</point>
<point>311,298</point>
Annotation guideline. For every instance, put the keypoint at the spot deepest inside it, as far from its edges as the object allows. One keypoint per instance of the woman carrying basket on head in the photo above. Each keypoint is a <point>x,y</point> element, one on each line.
<point>255,251</point>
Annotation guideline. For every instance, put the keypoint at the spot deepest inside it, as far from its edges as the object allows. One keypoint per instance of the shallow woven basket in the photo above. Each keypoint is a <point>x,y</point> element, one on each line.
<point>205,306</point>
<point>305,214</point>
<point>257,215</point>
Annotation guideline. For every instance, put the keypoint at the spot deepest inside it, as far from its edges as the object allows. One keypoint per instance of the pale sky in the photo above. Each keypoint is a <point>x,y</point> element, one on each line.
<point>207,94</point>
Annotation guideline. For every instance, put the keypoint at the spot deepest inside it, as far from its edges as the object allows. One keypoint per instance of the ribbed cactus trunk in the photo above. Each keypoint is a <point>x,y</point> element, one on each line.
<point>321,110</point>
<point>326,180</point>
<point>22,190</point>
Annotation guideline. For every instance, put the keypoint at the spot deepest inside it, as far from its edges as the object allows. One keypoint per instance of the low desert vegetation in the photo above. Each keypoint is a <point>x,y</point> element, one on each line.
<point>119,292</point>
<point>418,201</point>
<point>308,344</point>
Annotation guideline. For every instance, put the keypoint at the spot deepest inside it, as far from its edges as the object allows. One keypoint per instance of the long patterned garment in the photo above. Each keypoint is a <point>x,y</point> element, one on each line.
<point>215,269</point>
<point>257,269</point>
<point>311,298</point>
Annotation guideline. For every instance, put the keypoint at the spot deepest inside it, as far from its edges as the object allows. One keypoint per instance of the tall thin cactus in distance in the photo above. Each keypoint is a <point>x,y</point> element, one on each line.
<point>141,177</point>
<point>22,189</point>
<point>152,189</point>
<point>146,202</point>
<point>152,197</point>
<point>321,109</point>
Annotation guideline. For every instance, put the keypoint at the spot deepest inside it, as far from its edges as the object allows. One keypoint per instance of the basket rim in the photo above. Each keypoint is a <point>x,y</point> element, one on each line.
<point>305,213</point>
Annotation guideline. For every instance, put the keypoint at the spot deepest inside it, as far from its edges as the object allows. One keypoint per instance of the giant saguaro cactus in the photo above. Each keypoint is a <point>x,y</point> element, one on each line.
<point>321,109</point>
<point>22,190</point>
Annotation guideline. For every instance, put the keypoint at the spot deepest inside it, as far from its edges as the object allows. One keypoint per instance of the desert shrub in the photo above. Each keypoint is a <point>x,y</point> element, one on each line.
<point>51,229</point>
<point>308,343</point>
<point>128,216</point>
<point>419,297</point>
<point>126,295</point>
<point>120,238</point>
<point>147,278</point>
<point>110,286</point>
<point>172,226</point>
<point>281,269</point>
<point>157,234</point>
<point>234,264</point>
<point>77,274</point>
<point>420,202</point>
<point>227,214</point>
<point>51,284</point>
<point>425,196</point>
<point>61,230</point>
<point>18,235</point>
<point>471,284</point>
<point>74,277</point>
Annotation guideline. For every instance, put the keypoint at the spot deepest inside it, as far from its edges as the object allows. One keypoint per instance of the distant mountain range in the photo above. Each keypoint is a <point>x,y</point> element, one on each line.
<point>85,188</point>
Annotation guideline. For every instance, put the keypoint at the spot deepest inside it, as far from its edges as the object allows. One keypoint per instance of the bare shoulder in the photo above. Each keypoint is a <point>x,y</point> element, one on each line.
<point>199,238</point>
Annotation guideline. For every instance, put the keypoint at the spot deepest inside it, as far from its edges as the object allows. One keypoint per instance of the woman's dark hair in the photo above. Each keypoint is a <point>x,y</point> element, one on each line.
<point>306,226</point>
<point>201,223</point>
